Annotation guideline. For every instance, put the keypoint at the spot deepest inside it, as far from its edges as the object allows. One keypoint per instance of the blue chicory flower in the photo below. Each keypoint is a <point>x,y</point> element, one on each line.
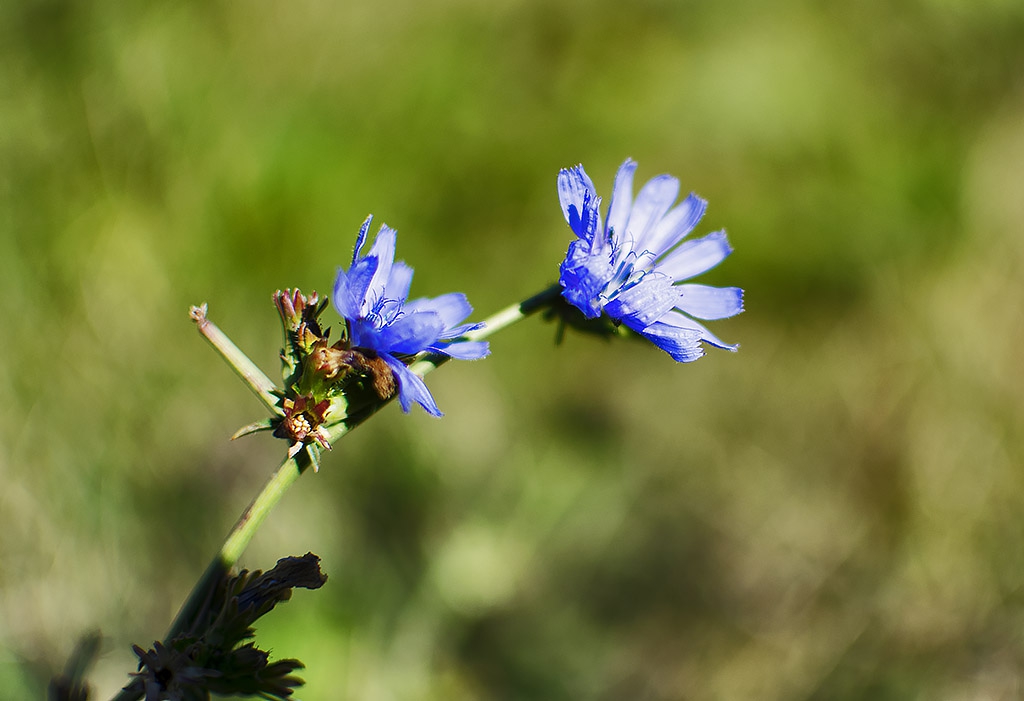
<point>633,267</point>
<point>372,295</point>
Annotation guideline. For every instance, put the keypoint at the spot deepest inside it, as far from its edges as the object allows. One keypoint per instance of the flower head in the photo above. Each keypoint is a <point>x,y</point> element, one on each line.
<point>372,296</point>
<point>633,267</point>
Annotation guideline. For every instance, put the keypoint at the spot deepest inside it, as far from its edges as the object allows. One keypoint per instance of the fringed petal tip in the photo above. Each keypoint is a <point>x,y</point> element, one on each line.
<point>684,345</point>
<point>709,303</point>
<point>464,350</point>
<point>361,237</point>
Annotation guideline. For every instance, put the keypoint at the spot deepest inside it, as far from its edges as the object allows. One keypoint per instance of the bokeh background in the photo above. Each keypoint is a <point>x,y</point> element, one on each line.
<point>834,512</point>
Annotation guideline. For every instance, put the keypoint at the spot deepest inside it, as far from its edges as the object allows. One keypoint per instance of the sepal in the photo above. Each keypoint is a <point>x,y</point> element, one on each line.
<point>254,427</point>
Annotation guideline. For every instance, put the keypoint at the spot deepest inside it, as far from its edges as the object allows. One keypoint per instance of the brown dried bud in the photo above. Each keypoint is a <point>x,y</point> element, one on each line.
<point>382,375</point>
<point>297,309</point>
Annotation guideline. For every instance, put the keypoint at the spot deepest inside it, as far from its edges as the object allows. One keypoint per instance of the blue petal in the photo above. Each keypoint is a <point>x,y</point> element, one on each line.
<point>463,350</point>
<point>654,199</point>
<point>411,387</point>
<point>365,334</point>
<point>383,251</point>
<point>682,344</point>
<point>706,302</point>
<point>357,290</point>
<point>679,320</point>
<point>452,307</point>
<point>589,228</point>
<point>399,281</point>
<point>584,278</point>
<point>695,257</point>
<point>676,225</point>
<point>575,189</point>
<point>640,305</point>
<point>342,297</point>
<point>361,238</point>
<point>461,330</point>
<point>411,333</point>
<point>350,288</point>
<point>622,198</point>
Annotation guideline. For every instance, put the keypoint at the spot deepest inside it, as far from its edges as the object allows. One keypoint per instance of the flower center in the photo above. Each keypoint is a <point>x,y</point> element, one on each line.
<point>299,426</point>
<point>384,312</point>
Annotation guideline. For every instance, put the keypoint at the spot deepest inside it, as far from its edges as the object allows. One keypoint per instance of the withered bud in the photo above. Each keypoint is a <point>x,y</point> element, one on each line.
<point>276,584</point>
<point>297,309</point>
<point>382,376</point>
<point>306,337</point>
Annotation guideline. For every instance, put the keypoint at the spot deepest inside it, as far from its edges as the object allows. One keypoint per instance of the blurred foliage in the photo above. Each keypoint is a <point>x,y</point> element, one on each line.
<point>835,512</point>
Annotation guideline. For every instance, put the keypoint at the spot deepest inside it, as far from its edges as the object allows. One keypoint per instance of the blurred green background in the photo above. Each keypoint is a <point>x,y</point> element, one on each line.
<point>835,512</point>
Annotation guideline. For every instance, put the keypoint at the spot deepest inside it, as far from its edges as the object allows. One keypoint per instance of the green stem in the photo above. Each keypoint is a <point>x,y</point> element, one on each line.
<point>292,468</point>
<point>516,312</point>
<point>241,535</point>
<point>254,378</point>
<point>493,324</point>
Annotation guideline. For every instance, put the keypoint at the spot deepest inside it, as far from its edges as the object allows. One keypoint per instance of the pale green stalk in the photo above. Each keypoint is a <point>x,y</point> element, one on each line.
<point>257,381</point>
